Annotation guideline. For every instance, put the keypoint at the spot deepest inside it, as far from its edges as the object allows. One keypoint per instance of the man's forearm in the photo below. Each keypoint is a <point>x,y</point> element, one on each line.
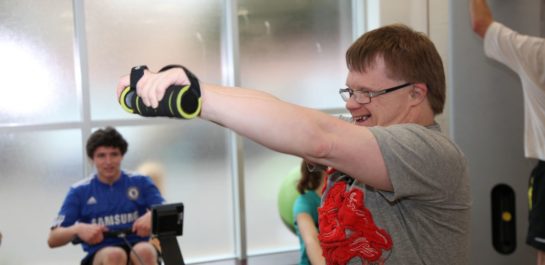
<point>61,236</point>
<point>481,16</point>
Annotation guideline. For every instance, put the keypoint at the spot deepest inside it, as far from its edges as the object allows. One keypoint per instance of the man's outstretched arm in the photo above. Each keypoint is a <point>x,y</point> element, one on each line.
<point>281,126</point>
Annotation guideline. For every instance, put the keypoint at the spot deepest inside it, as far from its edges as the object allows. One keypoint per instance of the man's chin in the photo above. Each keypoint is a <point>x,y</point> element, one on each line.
<point>111,176</point>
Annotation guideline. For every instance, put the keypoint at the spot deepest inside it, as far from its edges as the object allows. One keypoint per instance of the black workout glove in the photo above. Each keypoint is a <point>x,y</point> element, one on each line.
<point>178,102</point>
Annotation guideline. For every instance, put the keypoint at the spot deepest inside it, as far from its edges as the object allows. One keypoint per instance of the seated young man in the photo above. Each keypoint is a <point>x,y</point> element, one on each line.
<point>109,200</point>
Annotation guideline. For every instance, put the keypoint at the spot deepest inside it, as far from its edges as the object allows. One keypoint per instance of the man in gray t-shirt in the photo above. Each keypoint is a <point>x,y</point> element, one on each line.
<point>429,205</point>
<point>399,194</point>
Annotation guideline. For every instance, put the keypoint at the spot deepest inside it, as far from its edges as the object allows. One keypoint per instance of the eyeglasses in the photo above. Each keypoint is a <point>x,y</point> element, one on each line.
<point>364,97</point>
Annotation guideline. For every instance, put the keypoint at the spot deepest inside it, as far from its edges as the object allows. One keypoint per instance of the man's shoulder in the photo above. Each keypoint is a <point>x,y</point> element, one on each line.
<point>415,137</point>
<point>137,178</point>
<point>433,130</point>
<point>86,182</point>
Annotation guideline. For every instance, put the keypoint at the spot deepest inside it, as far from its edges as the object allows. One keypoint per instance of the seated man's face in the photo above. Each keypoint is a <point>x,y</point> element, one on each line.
<point>107,161</point>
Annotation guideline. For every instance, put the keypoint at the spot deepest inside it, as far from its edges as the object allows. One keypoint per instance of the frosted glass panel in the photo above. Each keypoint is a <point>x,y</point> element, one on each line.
<point>37,66</point>
<point>264,172</point>
<point>37,169</point>
<point>194,157</point>
<point>125,33</point>
<point>295,49</point>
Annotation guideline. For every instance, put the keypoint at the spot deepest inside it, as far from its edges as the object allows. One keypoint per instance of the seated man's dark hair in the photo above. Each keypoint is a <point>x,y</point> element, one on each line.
<point>108,137</point>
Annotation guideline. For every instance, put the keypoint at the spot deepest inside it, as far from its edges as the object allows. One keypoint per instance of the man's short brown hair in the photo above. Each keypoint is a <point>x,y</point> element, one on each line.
<point>409,55</point>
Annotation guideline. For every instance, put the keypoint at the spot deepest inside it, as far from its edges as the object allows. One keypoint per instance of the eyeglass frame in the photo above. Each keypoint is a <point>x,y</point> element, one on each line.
<point>370,94</point>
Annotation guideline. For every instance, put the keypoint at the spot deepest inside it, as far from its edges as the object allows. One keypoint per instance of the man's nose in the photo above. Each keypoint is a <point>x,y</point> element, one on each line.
<point>351,103</point>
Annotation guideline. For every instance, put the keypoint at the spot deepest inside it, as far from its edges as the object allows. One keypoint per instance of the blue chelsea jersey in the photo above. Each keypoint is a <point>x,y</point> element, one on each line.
<point>116,206</point>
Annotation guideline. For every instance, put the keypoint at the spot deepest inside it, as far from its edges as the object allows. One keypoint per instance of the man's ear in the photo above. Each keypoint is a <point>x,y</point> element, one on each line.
<point>419,92</point>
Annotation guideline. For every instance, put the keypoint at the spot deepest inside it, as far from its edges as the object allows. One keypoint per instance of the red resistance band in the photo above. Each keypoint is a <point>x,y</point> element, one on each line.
<point>347,229</point>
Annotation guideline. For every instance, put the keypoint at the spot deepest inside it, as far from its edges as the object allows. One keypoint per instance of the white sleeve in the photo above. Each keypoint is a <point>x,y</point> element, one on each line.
<point>519,52</point>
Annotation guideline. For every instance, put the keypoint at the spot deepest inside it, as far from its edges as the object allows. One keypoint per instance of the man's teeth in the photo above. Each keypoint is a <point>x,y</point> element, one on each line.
<point>361,118</point>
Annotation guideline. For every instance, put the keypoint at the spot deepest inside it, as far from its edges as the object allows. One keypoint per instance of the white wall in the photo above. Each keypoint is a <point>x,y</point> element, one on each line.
<point>430,17</point>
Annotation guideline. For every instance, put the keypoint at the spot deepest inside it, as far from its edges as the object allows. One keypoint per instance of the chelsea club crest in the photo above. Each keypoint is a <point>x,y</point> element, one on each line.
<point>133,193</point>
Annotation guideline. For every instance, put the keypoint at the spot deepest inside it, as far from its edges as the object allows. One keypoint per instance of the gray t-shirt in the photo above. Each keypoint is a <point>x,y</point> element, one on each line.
<point>427,215</point>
